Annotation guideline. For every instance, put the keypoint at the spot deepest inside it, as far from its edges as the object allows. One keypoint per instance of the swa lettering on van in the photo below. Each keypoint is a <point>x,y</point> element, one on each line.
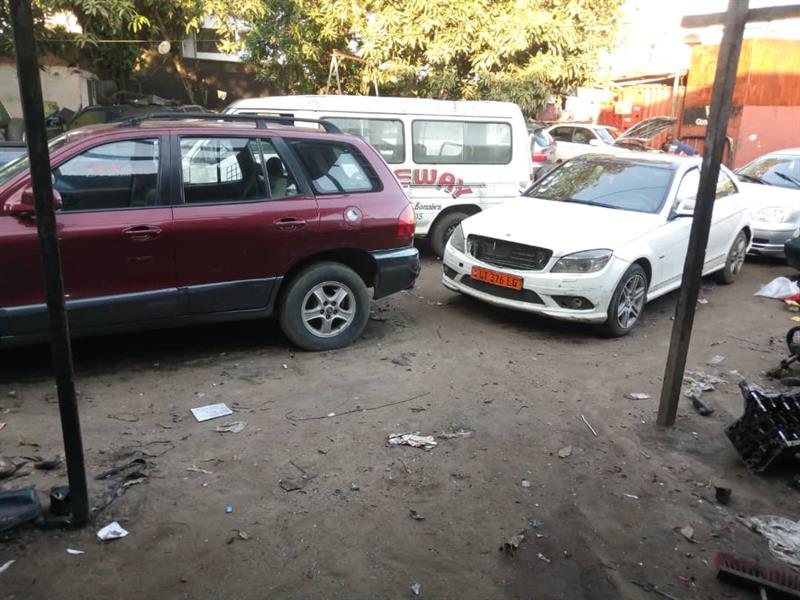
<point>447,182</point>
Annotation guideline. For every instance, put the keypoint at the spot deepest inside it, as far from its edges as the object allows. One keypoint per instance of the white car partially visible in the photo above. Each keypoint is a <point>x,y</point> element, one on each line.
<point>596,239</point>
<point>773,183</point>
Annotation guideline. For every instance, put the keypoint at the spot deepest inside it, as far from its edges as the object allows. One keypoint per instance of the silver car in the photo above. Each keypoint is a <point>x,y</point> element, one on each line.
<point>774,179</point>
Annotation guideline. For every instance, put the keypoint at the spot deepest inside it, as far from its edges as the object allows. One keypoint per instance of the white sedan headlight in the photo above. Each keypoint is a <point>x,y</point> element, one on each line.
<point>588,261</point>
<point>457,239</point>
<point>777,214</point>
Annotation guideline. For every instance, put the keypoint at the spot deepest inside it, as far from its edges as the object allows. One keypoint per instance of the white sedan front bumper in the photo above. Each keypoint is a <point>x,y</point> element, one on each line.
<point>541,290</point>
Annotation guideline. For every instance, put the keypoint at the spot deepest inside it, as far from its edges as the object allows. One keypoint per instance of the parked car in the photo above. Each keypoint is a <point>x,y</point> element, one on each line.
<point>574,139</point>
<point>113,113</point>
<point>775,182</point>
<point>11,150</point>
<point>597,238</point>
<point>453,158</point>
<point>543,149</point>
<point>175,221</point>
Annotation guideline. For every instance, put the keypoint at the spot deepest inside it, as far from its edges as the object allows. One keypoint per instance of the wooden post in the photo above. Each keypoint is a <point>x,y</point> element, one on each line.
<point>721,96</point>
<point>30,90</point>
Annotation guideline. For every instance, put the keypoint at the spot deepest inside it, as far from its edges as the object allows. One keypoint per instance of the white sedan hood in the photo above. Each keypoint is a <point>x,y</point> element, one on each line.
<point>563,227</point>
<point>764,196</point>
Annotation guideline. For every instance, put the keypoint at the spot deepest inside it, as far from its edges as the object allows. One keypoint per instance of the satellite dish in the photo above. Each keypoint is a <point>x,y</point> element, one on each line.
<point>164,47</point>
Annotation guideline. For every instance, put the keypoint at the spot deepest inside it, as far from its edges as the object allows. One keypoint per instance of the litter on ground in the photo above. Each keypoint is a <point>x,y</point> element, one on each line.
<point>211,411</point>
<point>412,439</point>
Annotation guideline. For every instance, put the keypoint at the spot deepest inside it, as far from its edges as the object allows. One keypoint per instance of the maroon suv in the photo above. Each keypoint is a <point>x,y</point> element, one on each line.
<point>175,221</point>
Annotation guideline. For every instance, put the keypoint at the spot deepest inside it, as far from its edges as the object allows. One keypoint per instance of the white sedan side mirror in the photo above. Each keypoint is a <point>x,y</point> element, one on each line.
<point>594,142</point>
<point>685,208</point>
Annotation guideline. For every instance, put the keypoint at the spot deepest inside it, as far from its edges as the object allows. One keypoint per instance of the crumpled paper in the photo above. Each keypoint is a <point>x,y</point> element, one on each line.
<point>112,531</point>
<point>782,534</point>
<point>412,439</point>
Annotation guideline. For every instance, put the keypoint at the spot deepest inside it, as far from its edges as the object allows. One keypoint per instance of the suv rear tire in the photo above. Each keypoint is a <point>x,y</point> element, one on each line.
<point>442,230</point>
<point>325,306</point>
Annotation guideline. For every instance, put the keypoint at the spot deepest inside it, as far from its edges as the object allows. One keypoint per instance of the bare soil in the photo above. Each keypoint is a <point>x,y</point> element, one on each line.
<point>610,511</point>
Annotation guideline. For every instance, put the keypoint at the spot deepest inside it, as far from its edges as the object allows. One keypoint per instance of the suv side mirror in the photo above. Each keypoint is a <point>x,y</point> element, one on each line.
<point>25,204</point>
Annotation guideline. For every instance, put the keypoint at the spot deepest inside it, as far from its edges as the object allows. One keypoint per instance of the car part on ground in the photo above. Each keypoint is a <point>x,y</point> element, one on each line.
<point>173,221</point>
<point>769,428</point>
<point>596,239</point>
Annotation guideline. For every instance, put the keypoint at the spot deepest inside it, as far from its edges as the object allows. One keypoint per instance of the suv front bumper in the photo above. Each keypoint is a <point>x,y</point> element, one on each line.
<point>396,270</point>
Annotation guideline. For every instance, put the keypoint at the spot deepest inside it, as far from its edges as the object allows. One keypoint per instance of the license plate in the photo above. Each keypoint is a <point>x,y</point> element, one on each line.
<point>495,278</point>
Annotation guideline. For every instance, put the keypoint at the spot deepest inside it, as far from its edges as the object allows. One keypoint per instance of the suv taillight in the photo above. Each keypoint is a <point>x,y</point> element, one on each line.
<point>406,224</point>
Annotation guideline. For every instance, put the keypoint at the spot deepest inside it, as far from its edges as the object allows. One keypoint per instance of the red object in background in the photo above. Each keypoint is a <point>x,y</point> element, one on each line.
<point>539,157</point>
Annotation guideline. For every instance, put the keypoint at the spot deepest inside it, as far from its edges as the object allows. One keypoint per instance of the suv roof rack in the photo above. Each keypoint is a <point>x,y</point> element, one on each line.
<point>261,121</point>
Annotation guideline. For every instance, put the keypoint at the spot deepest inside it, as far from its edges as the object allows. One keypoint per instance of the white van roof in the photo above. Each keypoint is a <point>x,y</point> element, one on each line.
<point>380,105</point>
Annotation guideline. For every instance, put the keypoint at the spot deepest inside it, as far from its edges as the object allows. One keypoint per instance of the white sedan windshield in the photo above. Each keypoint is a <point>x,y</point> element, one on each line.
<point>607,182</point>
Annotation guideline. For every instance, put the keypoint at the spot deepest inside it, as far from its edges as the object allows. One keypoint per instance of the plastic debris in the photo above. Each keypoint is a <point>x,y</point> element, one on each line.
<point>415,515</point>
<point>688,532</point>
<point>525,483</point>
<point>536,523</point>
<point>458,433</point>
<point>229,509</point>
<point>412,439</point>
<point>510,546</point>
<point>694,394</point>
<point>716,360</point>
<point>541,556</point>
<point>565,452</point>
<point>6,566</point>
<point>638,396</point>
<point>243,535</point>
<point>631,496</point>
<point>782,534</point>
<point>231,427</point>
<point>780,287</point>
<point>112,531</point>
<point>594,433</point>
<point>75,552</point>
<point>211,411</point>
<point>416,588</point>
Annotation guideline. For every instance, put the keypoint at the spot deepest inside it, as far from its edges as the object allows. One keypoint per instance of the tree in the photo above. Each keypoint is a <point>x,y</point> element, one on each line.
<point>517,50</point>
<point>118,37</point>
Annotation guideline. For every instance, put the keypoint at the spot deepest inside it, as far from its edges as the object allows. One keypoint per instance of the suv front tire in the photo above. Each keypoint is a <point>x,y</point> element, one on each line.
<point>325,306</point>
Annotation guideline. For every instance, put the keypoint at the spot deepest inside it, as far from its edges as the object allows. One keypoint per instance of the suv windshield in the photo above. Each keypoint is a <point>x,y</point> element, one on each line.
<point>783,171</point>
<point>606,182</point>
<point>20,164</point>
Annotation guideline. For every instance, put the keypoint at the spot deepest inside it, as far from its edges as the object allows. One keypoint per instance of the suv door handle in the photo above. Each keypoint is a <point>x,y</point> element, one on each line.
<point>141,233</point>
<point>289,223</point>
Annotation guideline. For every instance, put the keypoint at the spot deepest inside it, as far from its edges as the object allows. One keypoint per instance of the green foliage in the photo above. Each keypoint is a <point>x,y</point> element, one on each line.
<point>518,50</point>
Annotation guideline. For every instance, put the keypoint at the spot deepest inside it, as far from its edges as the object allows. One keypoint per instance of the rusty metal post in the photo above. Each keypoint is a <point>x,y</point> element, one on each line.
<point>30,90</point>
<point>721,97</point>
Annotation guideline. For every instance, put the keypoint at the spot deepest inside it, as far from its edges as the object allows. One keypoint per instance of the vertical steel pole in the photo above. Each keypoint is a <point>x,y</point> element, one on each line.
<point>721,97</point>
<point>30,90</point>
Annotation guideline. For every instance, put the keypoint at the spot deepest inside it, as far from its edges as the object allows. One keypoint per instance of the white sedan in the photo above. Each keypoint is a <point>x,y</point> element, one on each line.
<point>773,183</point>
<point>596,239</point>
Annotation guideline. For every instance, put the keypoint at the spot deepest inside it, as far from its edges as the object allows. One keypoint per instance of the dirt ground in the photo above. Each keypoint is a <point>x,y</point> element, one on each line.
<point>610,512</point>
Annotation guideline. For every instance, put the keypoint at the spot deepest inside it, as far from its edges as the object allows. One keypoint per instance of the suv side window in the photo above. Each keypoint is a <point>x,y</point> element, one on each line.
<point>282,183</point>
<point>562,134</point>
<point>725,187</point>
<point>336,168</point>
<point>582,136</point>
<point>218,169</point>
<point>111,176</point>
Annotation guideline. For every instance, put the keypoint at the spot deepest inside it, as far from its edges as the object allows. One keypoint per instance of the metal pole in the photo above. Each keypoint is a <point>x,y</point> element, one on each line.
<point>30,90</point>
<point>721,96</point>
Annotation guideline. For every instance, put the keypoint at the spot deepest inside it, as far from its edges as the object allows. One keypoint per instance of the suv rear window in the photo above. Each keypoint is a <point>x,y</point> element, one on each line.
<point>335,168</point>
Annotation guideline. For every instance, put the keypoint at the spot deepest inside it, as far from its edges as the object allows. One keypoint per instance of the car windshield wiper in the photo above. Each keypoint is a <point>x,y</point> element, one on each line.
<point>788,178</point>
<point>752,178</point>
<point>594,203</point>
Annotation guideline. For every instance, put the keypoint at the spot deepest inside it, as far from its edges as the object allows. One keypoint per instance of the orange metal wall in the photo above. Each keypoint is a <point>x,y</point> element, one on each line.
<point>646,101</point>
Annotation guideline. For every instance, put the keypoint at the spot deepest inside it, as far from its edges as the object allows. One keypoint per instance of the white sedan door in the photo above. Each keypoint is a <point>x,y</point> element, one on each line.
<point>725,220</point>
